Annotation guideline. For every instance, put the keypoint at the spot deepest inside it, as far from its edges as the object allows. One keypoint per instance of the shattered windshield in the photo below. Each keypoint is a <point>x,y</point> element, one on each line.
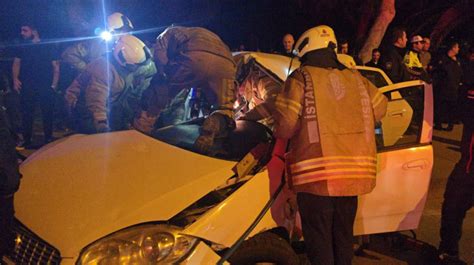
<point>234,147</point>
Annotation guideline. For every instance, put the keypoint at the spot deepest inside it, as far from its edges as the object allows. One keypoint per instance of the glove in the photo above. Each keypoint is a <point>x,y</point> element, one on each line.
<point>145,123</point>
<point>217,125</point>
<point>204,143</point>
<point>101,126</point>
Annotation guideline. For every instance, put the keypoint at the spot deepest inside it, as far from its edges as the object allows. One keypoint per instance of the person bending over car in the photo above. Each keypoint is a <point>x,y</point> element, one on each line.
<point>193,57</point>
<point>106,95</point>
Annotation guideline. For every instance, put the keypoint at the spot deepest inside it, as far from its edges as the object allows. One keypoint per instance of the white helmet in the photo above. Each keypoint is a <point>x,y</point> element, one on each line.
<point>119,22</point>
<point>130,50</point>
<point>315,38</point>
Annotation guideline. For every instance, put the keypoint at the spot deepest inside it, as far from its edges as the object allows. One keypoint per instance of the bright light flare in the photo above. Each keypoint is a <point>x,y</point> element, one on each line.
<point>106,35</point>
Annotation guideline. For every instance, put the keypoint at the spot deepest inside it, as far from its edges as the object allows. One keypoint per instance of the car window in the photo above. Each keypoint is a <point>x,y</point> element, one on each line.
<point>374,77</point>
<point>233,147</point>
<point>403,122</point>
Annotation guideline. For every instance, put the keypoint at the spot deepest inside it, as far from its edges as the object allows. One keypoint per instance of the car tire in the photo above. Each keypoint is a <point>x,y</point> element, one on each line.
<point>266,247</point>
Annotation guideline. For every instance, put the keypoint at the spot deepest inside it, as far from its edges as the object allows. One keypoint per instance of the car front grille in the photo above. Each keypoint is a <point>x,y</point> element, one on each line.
<point>31,249</point>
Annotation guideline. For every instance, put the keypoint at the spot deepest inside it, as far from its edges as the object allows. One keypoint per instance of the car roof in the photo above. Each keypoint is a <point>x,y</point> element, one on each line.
<point>278,65</point>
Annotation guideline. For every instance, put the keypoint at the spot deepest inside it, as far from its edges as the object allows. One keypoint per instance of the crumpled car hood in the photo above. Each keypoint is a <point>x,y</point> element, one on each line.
<point>79,189</point>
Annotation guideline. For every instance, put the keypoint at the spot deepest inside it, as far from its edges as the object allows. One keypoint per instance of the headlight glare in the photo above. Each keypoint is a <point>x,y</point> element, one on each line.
<point>144,244</point>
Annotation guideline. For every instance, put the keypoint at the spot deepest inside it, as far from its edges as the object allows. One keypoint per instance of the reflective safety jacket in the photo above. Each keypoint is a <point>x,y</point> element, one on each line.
<point>82,53</point>
<point>415,67</point>
<point>329,115</point>
<point>196,57</point>
<point>101,93</point>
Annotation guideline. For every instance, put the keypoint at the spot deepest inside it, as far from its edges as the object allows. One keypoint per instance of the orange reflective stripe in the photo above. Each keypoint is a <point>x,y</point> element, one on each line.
<point>363,160</point>
<point>285,104</point>
<point>368,165</point>
<point>313,176</point>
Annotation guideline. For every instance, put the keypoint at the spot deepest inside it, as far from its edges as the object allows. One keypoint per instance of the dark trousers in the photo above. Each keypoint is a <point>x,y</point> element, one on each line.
<point>458,198</point>
<point>12,103</point>
<point>6,222</point>
<point>328,228</point>
<point>30,96</point>
<point>449,112</point>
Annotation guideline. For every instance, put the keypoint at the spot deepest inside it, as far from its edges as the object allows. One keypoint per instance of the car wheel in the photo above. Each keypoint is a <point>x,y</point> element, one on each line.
<point>265,248</point>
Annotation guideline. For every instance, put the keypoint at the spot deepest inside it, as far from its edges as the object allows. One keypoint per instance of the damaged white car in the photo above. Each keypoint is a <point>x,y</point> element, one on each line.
<point>129,198</point>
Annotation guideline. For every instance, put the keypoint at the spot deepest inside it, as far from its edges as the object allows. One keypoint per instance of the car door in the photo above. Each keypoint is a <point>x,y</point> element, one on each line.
<point>405,162</point>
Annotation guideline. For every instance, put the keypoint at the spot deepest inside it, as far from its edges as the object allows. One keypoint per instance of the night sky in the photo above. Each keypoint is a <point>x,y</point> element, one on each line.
<point>256,24</point>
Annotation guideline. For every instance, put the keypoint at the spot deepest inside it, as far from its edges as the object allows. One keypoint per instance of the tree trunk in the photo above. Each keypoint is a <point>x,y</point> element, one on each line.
<point>386,15</point>
<point>450,19</point>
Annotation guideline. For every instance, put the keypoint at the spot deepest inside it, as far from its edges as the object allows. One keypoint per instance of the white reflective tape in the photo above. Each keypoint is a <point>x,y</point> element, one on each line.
<point>313,132</point>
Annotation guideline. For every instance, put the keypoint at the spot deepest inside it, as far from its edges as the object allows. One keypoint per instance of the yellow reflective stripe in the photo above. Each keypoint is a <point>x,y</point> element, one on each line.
<point>332,174</point>
<point>309,180</point>
<point>329,164</point>
<point>332,158</point>
<point>339,170</point>
<point>287,106</point>
<point>289,102</point>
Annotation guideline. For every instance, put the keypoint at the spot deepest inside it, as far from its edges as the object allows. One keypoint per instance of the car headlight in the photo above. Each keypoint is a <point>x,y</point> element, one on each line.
<point>143,244</point>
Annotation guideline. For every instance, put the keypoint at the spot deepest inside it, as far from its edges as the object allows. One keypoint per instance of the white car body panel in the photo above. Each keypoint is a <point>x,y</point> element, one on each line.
<point>398,200</point>
<point>225,223</point>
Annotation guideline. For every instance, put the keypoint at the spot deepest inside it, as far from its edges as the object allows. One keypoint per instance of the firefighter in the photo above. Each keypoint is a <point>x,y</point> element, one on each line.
<point>80,54</point>
<point>105,96</point>
<point>259,92</point>
<point>193,57</point>
<point>328,113</point>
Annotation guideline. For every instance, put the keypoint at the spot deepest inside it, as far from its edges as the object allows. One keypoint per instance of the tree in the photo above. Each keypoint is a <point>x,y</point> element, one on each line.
<point>386,15</point>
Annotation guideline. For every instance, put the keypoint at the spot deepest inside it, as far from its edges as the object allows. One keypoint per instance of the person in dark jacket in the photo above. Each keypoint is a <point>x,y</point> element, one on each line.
<point>375,61</point>
<point>9,180</point>
<point>447,78</point>
<point>459,193</point>
<point>392,59</point>
<point>188,57</point>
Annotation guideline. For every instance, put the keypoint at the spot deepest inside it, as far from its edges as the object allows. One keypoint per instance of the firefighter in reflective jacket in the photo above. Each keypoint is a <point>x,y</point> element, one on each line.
<point>80,54</point>
<point>193,57</point>
<point>105,95</point>
<point>259,92</point>
<point>328,113</point>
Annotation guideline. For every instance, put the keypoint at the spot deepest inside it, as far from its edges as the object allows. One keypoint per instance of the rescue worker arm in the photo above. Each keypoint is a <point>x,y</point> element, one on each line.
<point>16,73</point>
<point>379,101</point>
<point>161,53</point>
<point>264,110</point>
<point>288,106</point>
<point>72,93</point>
<point>75,56</point>
<point>97,94</point>
<point>56,71</point>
